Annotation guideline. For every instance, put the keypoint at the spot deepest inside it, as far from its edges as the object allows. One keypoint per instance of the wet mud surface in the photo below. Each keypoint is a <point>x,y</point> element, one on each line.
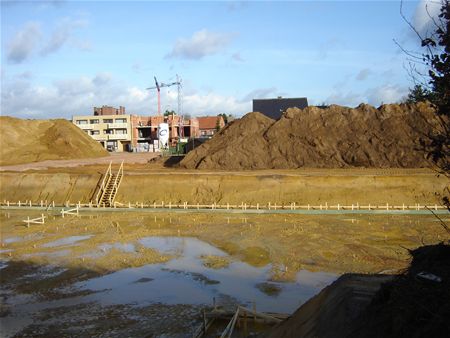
<point>139,275</point>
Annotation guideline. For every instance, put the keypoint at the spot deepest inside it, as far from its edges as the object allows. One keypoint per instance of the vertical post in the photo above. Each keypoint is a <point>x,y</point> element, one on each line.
<point>308,206</point>
<point>369,206</point>
<point>154,205</point>
<point>204,321</point>
<point>129,205</point>
<point>53,203</point>
<point>326,205</point>
<point>403,206</point>
<point>387,206</point>
<point>269,205</point>
<point>7,203</point>
<point>352,206</point>
<point>19,203</point>
<point>257,206</point>
<point>28,221</point>
<point>30,203</point>
<point>42,204</point>
<point>339,208</point>
<point>245,324</point>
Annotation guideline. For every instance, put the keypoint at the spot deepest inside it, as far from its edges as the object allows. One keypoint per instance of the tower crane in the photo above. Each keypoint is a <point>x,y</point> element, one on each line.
<point>158,87</point>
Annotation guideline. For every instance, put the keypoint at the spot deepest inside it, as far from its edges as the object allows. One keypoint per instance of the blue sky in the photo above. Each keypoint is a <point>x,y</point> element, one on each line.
<point>61,58</point>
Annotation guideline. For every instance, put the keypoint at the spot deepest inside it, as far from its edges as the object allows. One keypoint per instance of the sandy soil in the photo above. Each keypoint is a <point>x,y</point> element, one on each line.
<point>115,158</point>
<point>391,136</point>
<point>24,141</point>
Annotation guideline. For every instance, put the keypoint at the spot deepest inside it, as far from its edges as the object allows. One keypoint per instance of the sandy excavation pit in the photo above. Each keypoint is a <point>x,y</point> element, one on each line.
<point>137,274</point>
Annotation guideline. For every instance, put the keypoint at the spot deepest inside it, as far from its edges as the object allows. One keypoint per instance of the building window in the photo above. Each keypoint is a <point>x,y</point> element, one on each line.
<point>96,121</point>
<point>81,122</point>
<point>95,132</point>
<point>121,120</point>
<point>107,131</point>
<point>121,131</point>
<point>107,120</point>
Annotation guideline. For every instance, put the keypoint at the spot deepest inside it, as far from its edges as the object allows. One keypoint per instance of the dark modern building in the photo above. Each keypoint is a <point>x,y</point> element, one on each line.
<point>274,108</point>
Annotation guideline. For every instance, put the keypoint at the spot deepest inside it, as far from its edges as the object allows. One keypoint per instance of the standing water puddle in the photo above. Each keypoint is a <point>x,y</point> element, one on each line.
<point>72,240</point>
<point>185,280</point>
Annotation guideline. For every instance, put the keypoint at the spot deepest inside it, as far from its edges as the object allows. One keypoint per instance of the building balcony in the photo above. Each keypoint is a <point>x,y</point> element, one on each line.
<point>98,137</point>
<point>84,126</point>
<point>117,125</point>
<point>118,137</point>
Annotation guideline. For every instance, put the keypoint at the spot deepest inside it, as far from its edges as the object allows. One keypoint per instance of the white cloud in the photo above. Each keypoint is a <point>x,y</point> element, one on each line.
<point>200,44</point>
<point>237,57</point>
<point>344,98</point>
<point>78,96</point>
<point>102,79</point>
<point>67,97</point>
<point>62,34</point>
<point>23,43</point>
<point>425,11</point>
<point>213,104</point>
<point>363,74</point>
<point>260,93</point>
<point>386,94</point>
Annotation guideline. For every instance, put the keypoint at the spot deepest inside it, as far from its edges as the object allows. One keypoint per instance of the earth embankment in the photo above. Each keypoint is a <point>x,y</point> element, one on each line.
<point>24,141</point>
<point>319,186</point>
<point>392,136</point>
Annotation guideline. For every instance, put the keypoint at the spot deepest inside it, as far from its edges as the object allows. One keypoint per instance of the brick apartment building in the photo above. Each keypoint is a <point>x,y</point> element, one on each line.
<point>117,131</point>
<point>145,130</point>
<point>108,110</point>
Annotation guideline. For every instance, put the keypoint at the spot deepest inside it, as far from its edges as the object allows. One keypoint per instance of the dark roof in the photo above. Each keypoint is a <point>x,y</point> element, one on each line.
<point>274,108</point>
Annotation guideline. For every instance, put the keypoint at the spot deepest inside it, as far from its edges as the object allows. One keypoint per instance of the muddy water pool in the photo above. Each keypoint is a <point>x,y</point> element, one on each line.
<point>132,275</point>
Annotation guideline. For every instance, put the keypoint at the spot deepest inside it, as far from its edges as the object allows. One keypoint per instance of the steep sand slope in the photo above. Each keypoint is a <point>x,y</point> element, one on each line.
<point>23,141</point>
<point>393,136</point>
<point>240,145</point>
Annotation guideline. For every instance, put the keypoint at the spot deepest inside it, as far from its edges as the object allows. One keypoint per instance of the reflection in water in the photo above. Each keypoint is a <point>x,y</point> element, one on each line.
<point>66,241</point>
<point>185,280</point>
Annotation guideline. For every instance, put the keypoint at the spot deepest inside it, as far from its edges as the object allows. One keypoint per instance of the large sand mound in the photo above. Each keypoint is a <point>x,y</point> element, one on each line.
<point>336,137</point>
<point>24,141</point>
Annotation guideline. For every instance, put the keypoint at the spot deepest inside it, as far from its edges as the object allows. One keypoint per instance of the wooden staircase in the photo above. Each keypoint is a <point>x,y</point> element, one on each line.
<point>109,186</point>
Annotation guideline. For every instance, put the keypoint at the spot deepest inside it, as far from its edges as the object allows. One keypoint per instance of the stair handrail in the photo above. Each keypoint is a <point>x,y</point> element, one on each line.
<point>116,184</point>
<point>101,190</point>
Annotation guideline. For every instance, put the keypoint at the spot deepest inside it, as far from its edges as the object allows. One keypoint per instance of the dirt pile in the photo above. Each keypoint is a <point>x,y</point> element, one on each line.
<point>23,141</point>
<point>391,136</point>
<point>240,145</point>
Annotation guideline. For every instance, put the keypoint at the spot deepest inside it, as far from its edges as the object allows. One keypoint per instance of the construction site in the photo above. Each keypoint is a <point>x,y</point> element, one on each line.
<point>269,226</point>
